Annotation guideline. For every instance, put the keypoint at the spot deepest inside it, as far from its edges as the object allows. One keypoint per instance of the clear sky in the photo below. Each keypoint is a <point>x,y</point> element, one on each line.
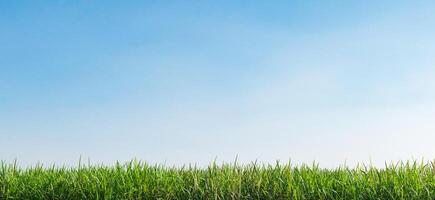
<point>180,82</point>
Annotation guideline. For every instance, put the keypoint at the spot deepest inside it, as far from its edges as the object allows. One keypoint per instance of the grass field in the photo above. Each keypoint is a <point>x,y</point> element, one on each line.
<point>136,180</point>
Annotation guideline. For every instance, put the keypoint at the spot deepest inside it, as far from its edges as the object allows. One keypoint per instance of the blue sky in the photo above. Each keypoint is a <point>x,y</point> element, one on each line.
<point>189,82</point>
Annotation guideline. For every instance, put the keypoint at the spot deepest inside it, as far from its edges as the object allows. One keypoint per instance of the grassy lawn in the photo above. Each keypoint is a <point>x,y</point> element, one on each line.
<point>137,180</point>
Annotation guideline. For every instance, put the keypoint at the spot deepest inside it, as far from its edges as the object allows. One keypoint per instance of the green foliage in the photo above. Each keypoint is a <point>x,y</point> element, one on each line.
<point>136,180</point>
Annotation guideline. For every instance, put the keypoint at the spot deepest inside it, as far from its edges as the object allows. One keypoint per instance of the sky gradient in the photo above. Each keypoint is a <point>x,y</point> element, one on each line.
<point>189,82</point>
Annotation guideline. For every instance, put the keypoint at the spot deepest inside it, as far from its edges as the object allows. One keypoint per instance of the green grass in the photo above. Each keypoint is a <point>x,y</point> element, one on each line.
<point>136,180</point>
